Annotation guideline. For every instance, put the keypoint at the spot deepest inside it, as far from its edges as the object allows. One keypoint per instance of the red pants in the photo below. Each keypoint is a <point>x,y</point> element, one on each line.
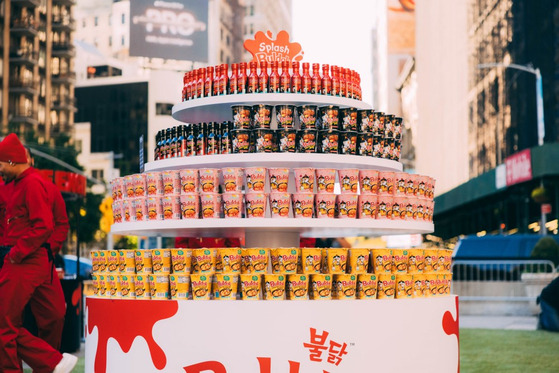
<point>18,285</point>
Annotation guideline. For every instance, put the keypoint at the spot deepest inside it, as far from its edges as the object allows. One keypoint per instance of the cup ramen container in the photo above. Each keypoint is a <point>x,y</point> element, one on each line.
<point>255,179</point>
<point>95,283</point>
<point>140,187</point>
<point>439,264</point>
<point>416,260</point>
<point>358,261</point>
<point>201,286</point>
<point>328,142</point>
<point>325,180</point>
<point>404,286</point>
<point>209,180</point>
<point>232,179</point>
<point>161,261</point>
<point>250,286</point>
<point>349,180</point>
<point>108,285</point>
<point>226,286</point>
<point>171,182</point>
<point>428,216</point>
<point>126,262</point>
<point>386,286</point>
<point>344,286</point>
<point>399,206</point>
<point>154,184</point>
<point>430,189</point>
<point>262,116</point>
<point>140,208</point>
<point>366,120</point>
<point>439,285</point>
<point>320,286</point>
<point>386,183</point>
<point>368,181</point>
<point>232,204</point>
<point>112,261</point>
<point>447,259</point>
<point>336,260</point>
<point>126,210</point>
<point>159,286</point>
<point>154,208</point>
<point>308,115</point>
<point>94,260</point>
<point>348,119</point>
<point>203,260</point>
<point>447,279</point>
<point>242,141</point>
<point>116,184</point>
<point>311,260</point>
<point>325,205</point>
<point>117,211</point>
<point>254,260</point>
<point>230,259</point>
<point>273,286</point>
<point>347,206</point>
<point>280,204</point>
<point>279,179</point>
<point>284,260</point>
<point>297,286</point>
<point>304,179</point>
<point>367,284</point>
<point>430,284</point>
<point>286,140</point>
<point>103,261</point>
<point>328,117</point>
<point>264,140</point>
<point>142,259</point>
<point>171,207</point>
<point>307,141</point>
<point>348,142</point>
<point>179,286</point>
<point>409,207</point>
<point>101,285</point>
<point>367,206</point>
<point>210,205</point>
<point>365,144</point>
<point>420,209</point>
<point>189,180</point>
<point>190,206</point>
<point>431,257</point>
<point>382,260</point>
<point>384,207</point>
<point>422,181</point>
<point>303,205</point>
<point>255,203</point>
<point>181,260</point>
<point>418,280</point>
<point>129,186</point>
<point>141,285</point>
<point>114,285</point>
<point>285,115</point>
<point>241,116</point>
<point>400,182</point>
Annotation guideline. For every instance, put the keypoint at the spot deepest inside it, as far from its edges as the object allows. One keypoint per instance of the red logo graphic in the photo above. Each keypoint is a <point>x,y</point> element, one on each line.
<point>318,345</point>
<point>263,48</point>
<point>451,326</point>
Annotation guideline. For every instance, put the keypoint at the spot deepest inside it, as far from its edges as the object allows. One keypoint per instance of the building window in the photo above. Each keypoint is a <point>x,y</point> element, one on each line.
<point>78,145</point>
<point>96,21</point>
<point>84,23</point>
<point>163,108</point>
<point>110,41</point>
<point>122,40</point>
<point>97,174</point>
<point>123,18</point>
<point>251,10</point>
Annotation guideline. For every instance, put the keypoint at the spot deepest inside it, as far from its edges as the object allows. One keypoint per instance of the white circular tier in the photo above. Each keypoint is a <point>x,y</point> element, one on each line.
<point>218,108</point>
<point>290,160</point>
<point>236,227</point>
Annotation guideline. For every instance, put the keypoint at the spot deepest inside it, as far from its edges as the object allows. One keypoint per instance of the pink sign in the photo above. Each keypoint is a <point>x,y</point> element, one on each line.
<point>519,167</point>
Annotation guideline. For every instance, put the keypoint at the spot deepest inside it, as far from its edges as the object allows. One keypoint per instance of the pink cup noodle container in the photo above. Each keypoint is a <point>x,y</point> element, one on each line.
<point>303,205</point>
<point>429,206</point>
<point>117,211</point>
<point>189,181</point>
<point>409,207</point>
<point>232,179</point>
<point>155,209</point>
<point>209,180</point>
<point>139,185</point>
<point>386,182</point>
<point>279,179</point>
<point>190,206</point>
<point>128,213</point>
<point>367,206</point>
<point>430,192</point>
<point>304,179</point>
<point>400,182</point>
<point>154,184</point>
<point>347,206</point>
<point>255,203</point>
<point>140,208</point>
<point>117,187</point>
<point>232,204</point>
<point>420,209</point>
<point>171,182</point>
<point>325,180</point>
<point>325,205</point>
<point>280,203</point>
<point>349,180</point>
<point>411,185</point>
<point>255,179</point>
<point>399,204</point>
<point>171,207</point>
<point>368,181</point>
<point>422,186</point>
<point>384,206</point>
<point>210,205</point>
<point>129,186</point>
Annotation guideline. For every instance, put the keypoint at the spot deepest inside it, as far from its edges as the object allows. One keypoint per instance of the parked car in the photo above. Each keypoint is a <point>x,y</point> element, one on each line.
<point>70,264</point>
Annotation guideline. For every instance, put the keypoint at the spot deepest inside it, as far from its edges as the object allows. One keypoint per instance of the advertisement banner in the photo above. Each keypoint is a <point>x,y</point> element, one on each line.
<point>175,29</point>
<point>519,167</point>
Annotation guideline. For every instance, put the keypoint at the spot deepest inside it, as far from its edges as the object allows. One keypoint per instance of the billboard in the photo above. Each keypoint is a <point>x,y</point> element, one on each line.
<point>175,29</point>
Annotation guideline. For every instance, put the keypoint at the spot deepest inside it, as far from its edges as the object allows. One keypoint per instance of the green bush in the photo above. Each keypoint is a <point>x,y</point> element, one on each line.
<point>546,248</point>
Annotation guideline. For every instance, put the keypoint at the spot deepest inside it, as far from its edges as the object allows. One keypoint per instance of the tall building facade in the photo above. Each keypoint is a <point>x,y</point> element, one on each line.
<point>37,67</point>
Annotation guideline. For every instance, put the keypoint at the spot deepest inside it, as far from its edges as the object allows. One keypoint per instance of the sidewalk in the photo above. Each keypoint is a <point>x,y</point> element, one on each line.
<point>499,322</point>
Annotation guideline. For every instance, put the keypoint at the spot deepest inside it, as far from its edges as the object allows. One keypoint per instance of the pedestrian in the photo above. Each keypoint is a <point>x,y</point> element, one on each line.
<point>549,304</point>
<point>29,224</point>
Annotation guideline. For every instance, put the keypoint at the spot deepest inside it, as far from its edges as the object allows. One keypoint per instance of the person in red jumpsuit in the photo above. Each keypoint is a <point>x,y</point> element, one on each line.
<point>29,224</point>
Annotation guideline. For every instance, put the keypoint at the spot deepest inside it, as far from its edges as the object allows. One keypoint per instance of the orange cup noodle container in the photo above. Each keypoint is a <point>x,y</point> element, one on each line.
<point>382,260</point>
<point>325,205</point>
<point>431,258</point>
<point>103,260</point>
<point>404,285</point>
<point>254,260</point>
<point>304,179</point>
<point>126,263</point>
<point>336,260</point>
<point>447,283</point>
<point>127,286</point>
<point>154,184</point>
<point>161,261</point>
<point>325,180</point>
<point>320,286</point>
<point>447,259</point>
<point>368,181</point>
<point>226,285</point>
<point>171,182</point>
<point>142,259</point>
<point>155,208</point>
<point>94,260</point>
<point>386,286</point>
<point>190,206</point>
<point>95,282</point>
<point>101,283</point>
<point>114,286</point>
<point>181,260</point>
<point>140,209</point>
<point>418,280</point>
<point>250,286</point>
<point>303,204</point>
<point>311,260</point>
<point>255,204</point>
<point>112,261</point>
<point>439,263</point>
<point>230,259</point>
<point>400,259</point>
<point>297,286</point>
<point>204,260</point>
<point>344,286</point>
<point>384,208</point>
<point>142,286</point>
<point>210,205</point>
<point>367,206</point>
<point>279,179</point>
<point>280,203</point>
<point>171,207</point>
<point>139,183</point>
<point>127,209</point>
<point>386,182</point>
<point>430,284</point>
<point>159,286</point>
<point>416,260</point>
<point>232,204</point>
<point>179,286</point>
<point>349,180</point>
<point>399,208</point>
<point>284,260</point>
<point>358,260</point>
<point>347,206</point>
<point>367,286</point>
<point>274,286</point>
<point>400,182</point>
<point>232,179</point>
<point>201,286</point>
<point>255,179</point>
<point>188,181</point>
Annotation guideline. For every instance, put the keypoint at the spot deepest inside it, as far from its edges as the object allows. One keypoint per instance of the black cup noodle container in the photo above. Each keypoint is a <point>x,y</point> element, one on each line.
<point>348,142</point>
<point>285,115</point>
<point>307,117</point>
<point>328,141</point>
<point>398,128</point>
<point>378,125</point>
<point>286,140</point>
<point>328,117</point>
<point>366,120</point>
<point>261,116</point>
<point>306,141</point>
<point>366,142</point>
<point>378,146</point>
<point>241,116</point>
<point>241,141</point>
<point>264,140</point>
<point>348,119</point>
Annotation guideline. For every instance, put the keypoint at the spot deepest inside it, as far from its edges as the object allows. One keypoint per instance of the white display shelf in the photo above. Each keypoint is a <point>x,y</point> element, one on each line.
<point>289,160</point>
<point>218,108</point>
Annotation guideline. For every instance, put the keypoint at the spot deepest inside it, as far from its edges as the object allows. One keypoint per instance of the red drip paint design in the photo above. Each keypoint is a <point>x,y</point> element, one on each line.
<point>120,326</point>
<point>451,326</point>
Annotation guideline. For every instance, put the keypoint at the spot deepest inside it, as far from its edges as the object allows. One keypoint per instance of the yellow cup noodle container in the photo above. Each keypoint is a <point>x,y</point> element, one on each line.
<point>95,261</point>
<point>226,285</point>
<point>230,259</point>
<point>204,260</point>
<point>250,286</point>
<point>159,286</point>
<point>418,280</point>
<point>336,260</point>
<point>416,260</point>
<point>431,258</point>
<point>284,260</point>
<point>112,261</point>
<point>386,286</point>
<point>367,286</point>
<point>181,260</point>
<point>358,260</point>
<point>95,281</point>
<point>311,260</point>
<point>114,286</point>
<point>297,286</point>
<point>161,261</point>
<point>102,261</point>
<point>179,286</point>
<point>321,286</point>
<point>142,287</point>
<point>404,285</point>
<point>142,259</point>
<point>382,260</point>
<point>344,286</point>
<point>126,261</point>
<point>274,287</point>
<point>101,280</point>
<point>201,285</point>
<point>400,260</point>
<point>127,286</point>
<point>255,260</point>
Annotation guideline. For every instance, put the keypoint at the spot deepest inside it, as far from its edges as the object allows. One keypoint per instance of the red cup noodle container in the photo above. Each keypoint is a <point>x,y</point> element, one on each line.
<point>209,180</point>
<point>155,209</point>
<point>368,181</point>
<point>325,205</point>
<point>349,180</point>
<point>348,119</point>
<point>261,116</point>
<point>367,206</point>
<point>399,205</point>
<point>366,121</point>
<point>171,182</point>
<point>348,143</point>
<point>384,207</point>
<point>279,179</point>
<point>378,146</point>
<point>171,207</point>
<point>308,117</point>
<point>255,179</point>
<point>190,206</point>
<point>232,204</point>
<point>328,142</point>
<point>285,115</point>
<point>304,179</point>
<point>154,184</point>
<point>286,140</point>
<point>255,203</point>
<point>280,203</point>
<point>325,180</point>
<point>242,141</point>
<point>306,141</point>
<point>210,205</point>
<point>241,116</point>
<point>386,182</point>
<point>189,181</point>
<point>347,206</point>
<point>303,205</point>
<point>264,140</point>
<point>366,143</point>
<point>328,117</point>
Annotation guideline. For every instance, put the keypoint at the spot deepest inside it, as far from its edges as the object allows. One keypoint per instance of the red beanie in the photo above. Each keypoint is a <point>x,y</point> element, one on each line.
<point>11,150</point>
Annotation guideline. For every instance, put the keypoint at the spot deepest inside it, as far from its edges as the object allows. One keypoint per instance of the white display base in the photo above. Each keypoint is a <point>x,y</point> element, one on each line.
<point>408,335</point>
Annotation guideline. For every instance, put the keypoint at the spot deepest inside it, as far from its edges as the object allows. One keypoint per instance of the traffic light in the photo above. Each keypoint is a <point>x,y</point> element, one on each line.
<point>106,208</point>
